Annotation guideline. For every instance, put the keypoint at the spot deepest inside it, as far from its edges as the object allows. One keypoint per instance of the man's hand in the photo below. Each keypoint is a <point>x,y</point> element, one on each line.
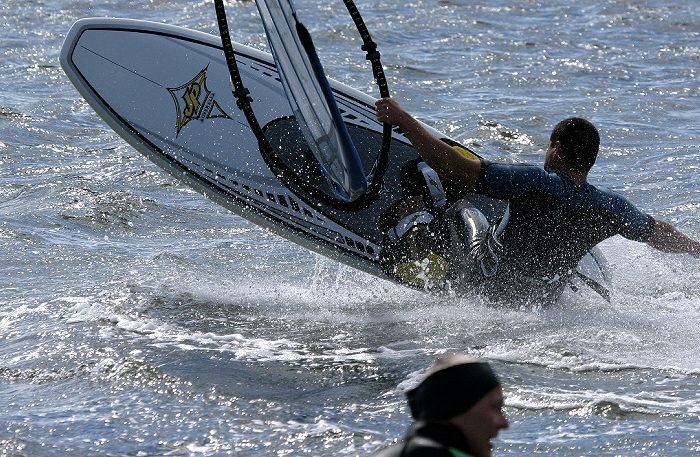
<point>390,112</point>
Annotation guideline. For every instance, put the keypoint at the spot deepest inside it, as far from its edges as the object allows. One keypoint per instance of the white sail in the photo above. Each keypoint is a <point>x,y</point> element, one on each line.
<point>311,99</point>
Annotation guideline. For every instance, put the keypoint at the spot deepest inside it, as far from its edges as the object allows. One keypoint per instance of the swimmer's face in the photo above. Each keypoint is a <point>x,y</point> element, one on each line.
<point>482,422</point>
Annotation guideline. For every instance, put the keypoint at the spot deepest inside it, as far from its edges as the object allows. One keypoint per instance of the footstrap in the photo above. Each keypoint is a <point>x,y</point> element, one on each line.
<point>408,223</point>
<point>434,185</point>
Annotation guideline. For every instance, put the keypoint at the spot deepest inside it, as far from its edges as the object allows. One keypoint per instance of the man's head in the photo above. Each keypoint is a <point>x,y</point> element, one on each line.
<point>574,143</point>
<point>464,392</point>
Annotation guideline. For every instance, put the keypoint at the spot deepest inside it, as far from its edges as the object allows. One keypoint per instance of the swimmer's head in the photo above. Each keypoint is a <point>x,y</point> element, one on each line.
<point>465,393</point>
<point>452,385</point>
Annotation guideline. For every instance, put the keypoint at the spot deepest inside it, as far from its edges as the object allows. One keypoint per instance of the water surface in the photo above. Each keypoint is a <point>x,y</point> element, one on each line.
<point>137,318</point>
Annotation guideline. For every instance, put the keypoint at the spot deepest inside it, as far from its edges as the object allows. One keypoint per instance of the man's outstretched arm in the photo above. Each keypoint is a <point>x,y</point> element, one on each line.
<point>441,157</point>
<point>667,238</point>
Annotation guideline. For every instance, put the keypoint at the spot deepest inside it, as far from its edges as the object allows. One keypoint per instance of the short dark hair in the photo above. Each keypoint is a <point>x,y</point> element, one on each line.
<point>579,141</point>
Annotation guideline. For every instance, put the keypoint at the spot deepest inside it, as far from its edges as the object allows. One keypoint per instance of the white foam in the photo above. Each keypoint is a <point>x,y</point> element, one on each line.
<point>582,400</point>
<point>639,329</point>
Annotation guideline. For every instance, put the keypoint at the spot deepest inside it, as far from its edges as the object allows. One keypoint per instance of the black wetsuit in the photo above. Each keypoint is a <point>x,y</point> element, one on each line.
<point>552,223</point>
<point>429,440</point>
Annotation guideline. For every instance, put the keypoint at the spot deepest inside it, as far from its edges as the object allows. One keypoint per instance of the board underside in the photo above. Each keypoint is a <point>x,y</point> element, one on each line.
<point>166,90</point>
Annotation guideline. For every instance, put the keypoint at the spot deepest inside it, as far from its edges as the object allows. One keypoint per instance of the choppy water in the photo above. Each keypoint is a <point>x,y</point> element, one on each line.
<point>137,318</point>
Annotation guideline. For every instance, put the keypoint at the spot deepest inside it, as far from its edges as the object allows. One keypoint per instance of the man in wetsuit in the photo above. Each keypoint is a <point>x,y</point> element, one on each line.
<point>457,408</point>
<point>554,215</point>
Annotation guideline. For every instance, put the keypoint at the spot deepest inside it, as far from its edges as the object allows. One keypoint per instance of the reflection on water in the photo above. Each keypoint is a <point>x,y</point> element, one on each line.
<point>139,319</point>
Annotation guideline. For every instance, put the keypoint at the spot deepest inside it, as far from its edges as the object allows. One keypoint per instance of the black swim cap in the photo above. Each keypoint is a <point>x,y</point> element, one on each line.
<point>451,391</point>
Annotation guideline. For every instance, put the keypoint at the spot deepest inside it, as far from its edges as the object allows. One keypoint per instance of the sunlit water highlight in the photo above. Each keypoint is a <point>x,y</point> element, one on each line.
<point>137,318</point>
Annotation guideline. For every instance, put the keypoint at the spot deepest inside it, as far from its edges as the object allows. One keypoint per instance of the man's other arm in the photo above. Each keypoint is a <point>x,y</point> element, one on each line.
<point>440,156</point>
<point>667,238</point>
